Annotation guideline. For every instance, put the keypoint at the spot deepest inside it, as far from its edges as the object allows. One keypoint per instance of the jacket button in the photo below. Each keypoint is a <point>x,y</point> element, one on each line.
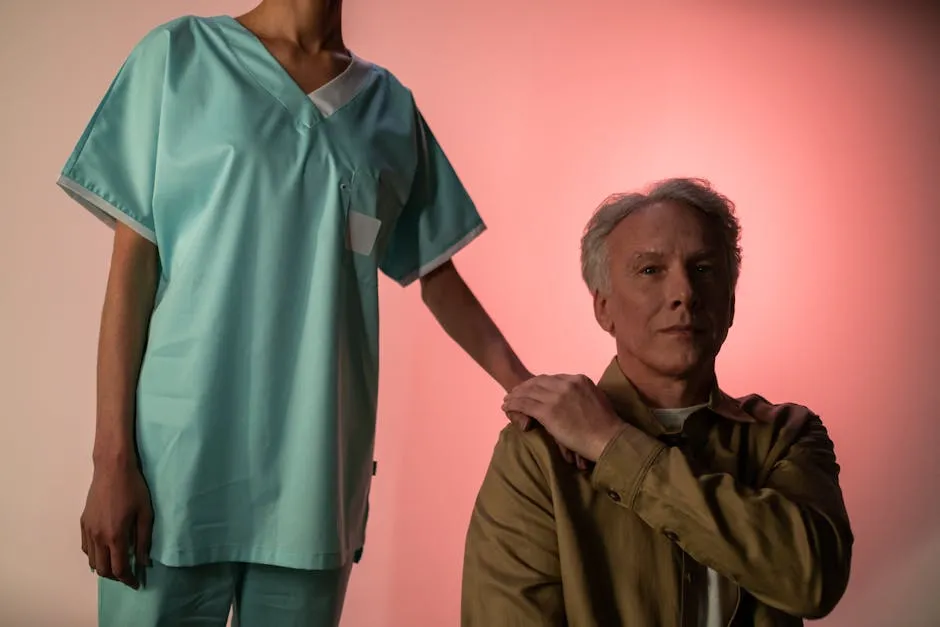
<point>613,496</point>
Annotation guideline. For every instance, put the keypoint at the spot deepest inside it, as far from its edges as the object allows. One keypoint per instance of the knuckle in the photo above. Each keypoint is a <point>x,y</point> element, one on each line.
<point>112,539</point>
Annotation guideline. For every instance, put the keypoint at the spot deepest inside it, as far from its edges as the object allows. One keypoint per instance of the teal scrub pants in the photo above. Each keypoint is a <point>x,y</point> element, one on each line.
<point>203,596</point>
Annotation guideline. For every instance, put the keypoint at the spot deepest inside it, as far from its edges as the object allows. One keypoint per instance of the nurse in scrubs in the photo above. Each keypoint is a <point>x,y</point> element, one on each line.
<point>258,176</point>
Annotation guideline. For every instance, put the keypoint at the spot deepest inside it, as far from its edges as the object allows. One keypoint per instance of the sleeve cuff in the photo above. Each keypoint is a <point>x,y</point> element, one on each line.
<point>622,466</point>
<point>438,261</point>
<point>101,208</point>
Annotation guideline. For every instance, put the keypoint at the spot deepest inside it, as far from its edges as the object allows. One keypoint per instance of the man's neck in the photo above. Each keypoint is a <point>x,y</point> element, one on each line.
<point>311,25</point>
<point>659,391</point>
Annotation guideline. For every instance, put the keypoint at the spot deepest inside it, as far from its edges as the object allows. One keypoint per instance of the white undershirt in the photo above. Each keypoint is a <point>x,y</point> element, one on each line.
<point>710,614</point>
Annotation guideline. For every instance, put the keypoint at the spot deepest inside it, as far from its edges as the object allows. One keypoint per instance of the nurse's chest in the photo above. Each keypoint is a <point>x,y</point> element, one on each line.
<point>367,159</point>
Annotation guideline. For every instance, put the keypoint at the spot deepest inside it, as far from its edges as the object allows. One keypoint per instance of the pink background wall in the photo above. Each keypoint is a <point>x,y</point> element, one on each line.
<point>821,123</point>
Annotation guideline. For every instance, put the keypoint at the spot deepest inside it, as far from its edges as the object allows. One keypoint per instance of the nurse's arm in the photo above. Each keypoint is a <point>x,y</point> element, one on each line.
<point>117,514</point>
<point>463,318</point>
<point>125,317</point>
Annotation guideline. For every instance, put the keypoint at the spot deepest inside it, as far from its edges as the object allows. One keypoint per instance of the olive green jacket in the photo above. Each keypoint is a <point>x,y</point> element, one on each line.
<point>748,489</point>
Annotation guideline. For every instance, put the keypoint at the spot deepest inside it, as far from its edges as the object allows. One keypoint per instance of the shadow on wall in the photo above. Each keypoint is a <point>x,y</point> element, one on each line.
<point>903,593</point>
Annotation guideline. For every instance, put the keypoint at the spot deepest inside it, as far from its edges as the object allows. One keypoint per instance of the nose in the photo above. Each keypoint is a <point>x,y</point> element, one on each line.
<point>682,290</point>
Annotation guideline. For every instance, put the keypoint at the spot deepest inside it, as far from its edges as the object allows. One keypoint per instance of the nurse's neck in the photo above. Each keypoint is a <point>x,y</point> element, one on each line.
<point>312,25</point>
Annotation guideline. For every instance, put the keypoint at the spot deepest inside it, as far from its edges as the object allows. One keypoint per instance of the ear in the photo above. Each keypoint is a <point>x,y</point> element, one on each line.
<point>601,313</point>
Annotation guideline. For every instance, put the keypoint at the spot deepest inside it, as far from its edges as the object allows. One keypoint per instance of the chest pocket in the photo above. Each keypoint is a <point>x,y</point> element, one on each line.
<point>372,204</point>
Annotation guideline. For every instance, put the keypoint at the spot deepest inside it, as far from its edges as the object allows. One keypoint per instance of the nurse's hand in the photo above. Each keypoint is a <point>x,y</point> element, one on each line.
<point>118,518</point>
<point>525,423</point>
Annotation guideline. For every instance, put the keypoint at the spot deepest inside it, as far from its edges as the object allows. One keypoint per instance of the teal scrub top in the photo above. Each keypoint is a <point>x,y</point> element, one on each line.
<point>272,211</point>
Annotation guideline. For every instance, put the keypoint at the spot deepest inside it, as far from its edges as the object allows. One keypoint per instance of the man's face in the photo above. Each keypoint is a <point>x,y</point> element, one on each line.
<point>670,301</point>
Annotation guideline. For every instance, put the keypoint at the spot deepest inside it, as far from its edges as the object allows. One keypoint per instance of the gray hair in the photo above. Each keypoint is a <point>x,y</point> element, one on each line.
<point>696,193</point>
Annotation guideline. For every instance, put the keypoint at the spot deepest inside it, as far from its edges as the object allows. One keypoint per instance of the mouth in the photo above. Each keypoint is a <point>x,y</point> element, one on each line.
<point>683,330</point>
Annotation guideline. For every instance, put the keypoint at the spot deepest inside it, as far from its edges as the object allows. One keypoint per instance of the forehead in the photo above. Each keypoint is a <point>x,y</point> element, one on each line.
<point>662,227</point>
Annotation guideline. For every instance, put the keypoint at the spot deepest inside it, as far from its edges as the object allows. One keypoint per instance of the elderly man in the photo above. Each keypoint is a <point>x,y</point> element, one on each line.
<point>699,509</point>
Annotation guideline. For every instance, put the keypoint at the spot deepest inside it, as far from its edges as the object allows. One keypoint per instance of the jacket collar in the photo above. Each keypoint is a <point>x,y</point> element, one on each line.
<point>628,405</point>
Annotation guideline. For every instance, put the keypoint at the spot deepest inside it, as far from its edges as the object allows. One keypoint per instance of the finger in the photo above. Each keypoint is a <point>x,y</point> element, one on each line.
<point>552,383</point>
<point>566,454</point>
<point>531,386</point>
<point>81,526</point>
<point>547,391</point>
<point>521,421</point>
<point>102,560</point>
<point>524,405</point>
<point>121,564</point>
<point>91,552</point>
<point>142,537</point>
<point>582,463</point>
<point>119,553</point>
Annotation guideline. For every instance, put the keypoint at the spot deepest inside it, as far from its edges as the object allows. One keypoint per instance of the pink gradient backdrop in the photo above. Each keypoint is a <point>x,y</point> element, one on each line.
<point>821,123</point>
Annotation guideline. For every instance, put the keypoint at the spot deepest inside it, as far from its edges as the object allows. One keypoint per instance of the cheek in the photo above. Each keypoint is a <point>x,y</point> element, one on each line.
<point>720,308</point>
<point>633,315</point>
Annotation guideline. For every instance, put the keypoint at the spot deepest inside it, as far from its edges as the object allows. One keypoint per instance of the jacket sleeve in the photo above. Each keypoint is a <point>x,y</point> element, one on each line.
<point>788,543</point>
<point>511,573</point>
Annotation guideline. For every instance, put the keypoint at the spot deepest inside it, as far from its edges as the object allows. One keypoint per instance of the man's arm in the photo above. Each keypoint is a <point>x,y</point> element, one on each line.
<point>511,572</point>
<point>788,543</point>
<point>463,318</point>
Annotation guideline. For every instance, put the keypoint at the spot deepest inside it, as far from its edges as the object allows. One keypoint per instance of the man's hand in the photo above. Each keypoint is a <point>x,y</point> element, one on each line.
<point>117,517</point>
<point>571,409</point>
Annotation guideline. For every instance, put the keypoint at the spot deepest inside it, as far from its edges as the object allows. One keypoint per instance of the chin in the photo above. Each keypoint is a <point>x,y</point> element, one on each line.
<point>674,360</point>
<point>677,370</point>
<point>680,364</point>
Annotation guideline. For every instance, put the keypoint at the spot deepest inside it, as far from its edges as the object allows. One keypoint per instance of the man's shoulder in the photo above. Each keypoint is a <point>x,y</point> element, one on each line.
<point>529,463</point>
<point>534,450</point>
<point>786,415</point>
<point>535,442</point>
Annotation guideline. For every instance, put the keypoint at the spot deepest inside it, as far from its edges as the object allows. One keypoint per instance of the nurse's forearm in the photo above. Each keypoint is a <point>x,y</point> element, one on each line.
<point>463,318</point>
<point>125,317</point>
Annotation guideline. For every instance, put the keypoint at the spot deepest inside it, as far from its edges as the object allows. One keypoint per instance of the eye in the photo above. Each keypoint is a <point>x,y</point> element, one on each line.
<point>703,268</point>
<point>649,270</point>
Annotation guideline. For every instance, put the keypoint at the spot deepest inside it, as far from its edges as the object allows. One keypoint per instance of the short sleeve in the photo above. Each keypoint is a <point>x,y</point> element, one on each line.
<point>111,171</point>
<point>438,219</point>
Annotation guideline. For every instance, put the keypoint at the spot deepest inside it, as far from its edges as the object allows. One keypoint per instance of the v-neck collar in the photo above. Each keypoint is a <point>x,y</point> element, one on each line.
<point>275,79</point>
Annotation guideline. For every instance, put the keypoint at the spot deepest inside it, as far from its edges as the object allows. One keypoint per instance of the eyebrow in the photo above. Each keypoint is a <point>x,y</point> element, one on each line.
<point>655,254</point>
